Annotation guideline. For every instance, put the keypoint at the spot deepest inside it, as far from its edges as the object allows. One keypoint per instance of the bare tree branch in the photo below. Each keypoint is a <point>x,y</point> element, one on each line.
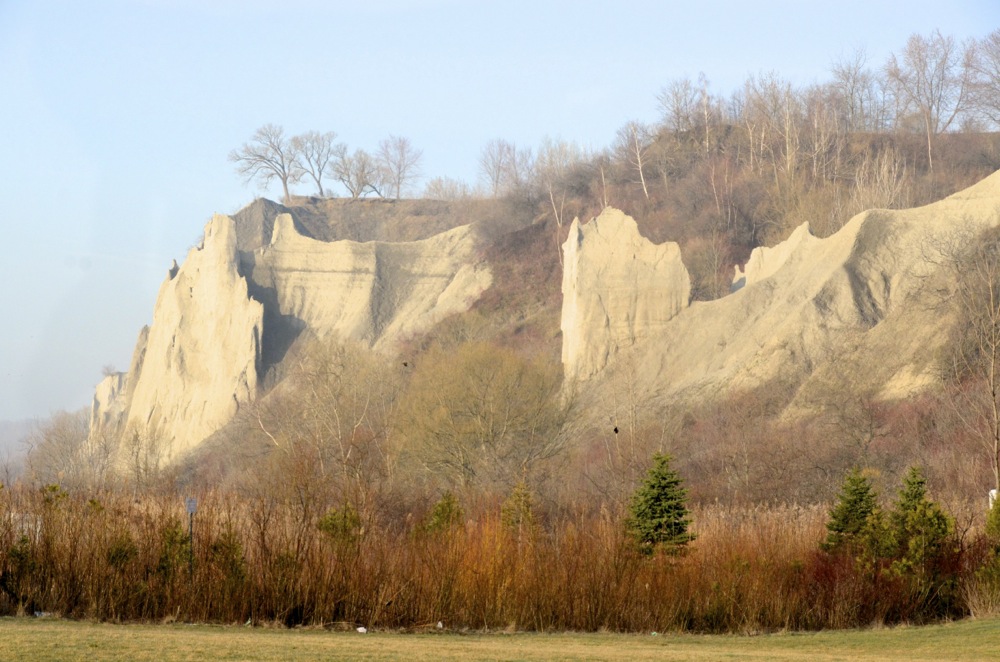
<point>269,156</point>
<point>400,163</point>
<point>317,154</point>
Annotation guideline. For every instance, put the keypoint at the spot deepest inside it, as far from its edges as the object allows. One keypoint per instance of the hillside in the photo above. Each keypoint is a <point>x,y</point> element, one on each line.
<point>861,307</point>
<point>225,318</point>
<point>811,323</point>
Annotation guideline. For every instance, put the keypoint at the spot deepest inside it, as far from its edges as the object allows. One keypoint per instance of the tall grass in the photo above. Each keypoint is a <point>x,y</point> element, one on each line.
<point>117,558</point>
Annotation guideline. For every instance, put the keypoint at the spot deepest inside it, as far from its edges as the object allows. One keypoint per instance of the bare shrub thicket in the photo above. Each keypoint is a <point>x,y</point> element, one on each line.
<point>975,359</point>
<point>331,516</point>
<point>323,438</point>
<point>481,416</point>
<point>749,570</point>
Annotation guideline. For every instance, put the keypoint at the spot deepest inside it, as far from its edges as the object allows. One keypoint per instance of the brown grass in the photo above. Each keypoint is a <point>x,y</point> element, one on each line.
<point>749,571</point>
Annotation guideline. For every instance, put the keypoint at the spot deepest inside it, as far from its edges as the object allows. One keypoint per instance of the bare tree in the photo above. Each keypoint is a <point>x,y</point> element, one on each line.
<point>399,162</point>
<point>506,169</point>
<point>557,163</point>
<point>774,111</point>
<point>327,429</point>
<point>482,416</point>
<point>602,165</point>
<point>447,188</point>
<point>632,143</point>
<point>317,154</point>
<point>986,66</point>
<point>976,349</point>
<point>144,455</point>
<point>359,173</point>
<point>553,166</point>
<point>933,78</point>
<point>62,451</point>
<point>268,156</point>
<point>823,135</point>
<point>494,162</point>
<point>680,103</point>
<point>881,181</point>
<point>520,173</point>
<point>861,95</point>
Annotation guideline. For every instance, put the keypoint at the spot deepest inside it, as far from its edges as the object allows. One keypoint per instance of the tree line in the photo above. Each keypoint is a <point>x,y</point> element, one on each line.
<point>725,173</point>
<point>313,155</point>
<point>721,173</point>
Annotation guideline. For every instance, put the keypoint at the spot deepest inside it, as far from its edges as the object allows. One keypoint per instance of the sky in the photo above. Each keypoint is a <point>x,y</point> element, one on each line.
<point>118,117</point>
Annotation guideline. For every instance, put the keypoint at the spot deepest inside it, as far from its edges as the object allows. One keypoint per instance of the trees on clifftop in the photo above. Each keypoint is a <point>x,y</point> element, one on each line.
<point>270,156</point>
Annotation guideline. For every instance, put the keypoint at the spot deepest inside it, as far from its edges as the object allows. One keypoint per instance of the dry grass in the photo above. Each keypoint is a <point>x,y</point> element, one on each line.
<point>749,571</point>
<point>51,639</point>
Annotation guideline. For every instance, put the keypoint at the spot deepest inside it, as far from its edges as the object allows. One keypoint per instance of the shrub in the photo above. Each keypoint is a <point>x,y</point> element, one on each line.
<point>993,523</point>
<point>342,525</point>
<point>175,549</point>
<point>121,551</point>
<point>517,511</point>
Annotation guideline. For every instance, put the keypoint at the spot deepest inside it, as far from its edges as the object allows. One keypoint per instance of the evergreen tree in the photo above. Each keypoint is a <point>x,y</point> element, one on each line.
<point>658,512</point>
<point>993,523</point>
<point>517,511</point>
<point>856,503</point>
<point>343,525</point>
<point>446,515</point>
<point>920,529</point>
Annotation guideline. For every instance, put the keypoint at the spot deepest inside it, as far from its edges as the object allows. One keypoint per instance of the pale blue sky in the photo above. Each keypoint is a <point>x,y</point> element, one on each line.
<point>118,116</point>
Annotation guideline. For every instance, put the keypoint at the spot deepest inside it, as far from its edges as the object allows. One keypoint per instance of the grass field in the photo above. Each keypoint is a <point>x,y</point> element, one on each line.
<point>53,639</point>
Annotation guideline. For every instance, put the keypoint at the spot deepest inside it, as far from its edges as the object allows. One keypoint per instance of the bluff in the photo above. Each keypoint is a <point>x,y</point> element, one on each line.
<point>861,309</point>
<point>618,289</point>
<point>229,312</point>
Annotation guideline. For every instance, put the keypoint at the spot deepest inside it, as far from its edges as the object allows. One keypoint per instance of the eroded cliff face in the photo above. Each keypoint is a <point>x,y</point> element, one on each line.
<point>198,362</point>
<point>618,289</point>
<point>377,293</point>
<point>765,261</point>
<point>859,310</point>
<point>228,313</point>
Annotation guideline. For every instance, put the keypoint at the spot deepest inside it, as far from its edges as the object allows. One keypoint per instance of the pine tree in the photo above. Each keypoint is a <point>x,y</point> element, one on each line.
<point>517,511</point>
<point>920,529</point>
<point>856,503</point>
<point>993,523</point>
<point>446,515</point>
<point>658,512</point>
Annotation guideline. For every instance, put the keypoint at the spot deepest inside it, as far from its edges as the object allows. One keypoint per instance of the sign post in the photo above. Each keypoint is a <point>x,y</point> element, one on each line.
<point>192,506</point>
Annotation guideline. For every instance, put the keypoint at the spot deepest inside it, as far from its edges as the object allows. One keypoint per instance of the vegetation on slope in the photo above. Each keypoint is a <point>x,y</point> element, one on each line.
<point>316,505</point>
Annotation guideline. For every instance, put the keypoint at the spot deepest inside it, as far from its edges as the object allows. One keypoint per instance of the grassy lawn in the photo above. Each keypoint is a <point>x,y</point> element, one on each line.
<point>51,639</point>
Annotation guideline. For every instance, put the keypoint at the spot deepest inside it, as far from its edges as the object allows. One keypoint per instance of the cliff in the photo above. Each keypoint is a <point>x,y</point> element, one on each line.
<point>618,289</point>
<point>860,311</point>
<point>374,292</point>
<point>230,311</point>
<point>197,363</point>
<point>861,308</point>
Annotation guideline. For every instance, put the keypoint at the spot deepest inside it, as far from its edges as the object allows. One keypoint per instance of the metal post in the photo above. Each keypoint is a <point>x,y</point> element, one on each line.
<point>191,546</point>
<point>192,506</point>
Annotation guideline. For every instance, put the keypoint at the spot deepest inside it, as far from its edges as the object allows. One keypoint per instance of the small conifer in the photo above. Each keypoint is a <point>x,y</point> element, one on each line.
<point>446,515</point>
<point>856,503</point>
<point>920,529</point>
<point>993,522</point>
<point>658,513</point>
